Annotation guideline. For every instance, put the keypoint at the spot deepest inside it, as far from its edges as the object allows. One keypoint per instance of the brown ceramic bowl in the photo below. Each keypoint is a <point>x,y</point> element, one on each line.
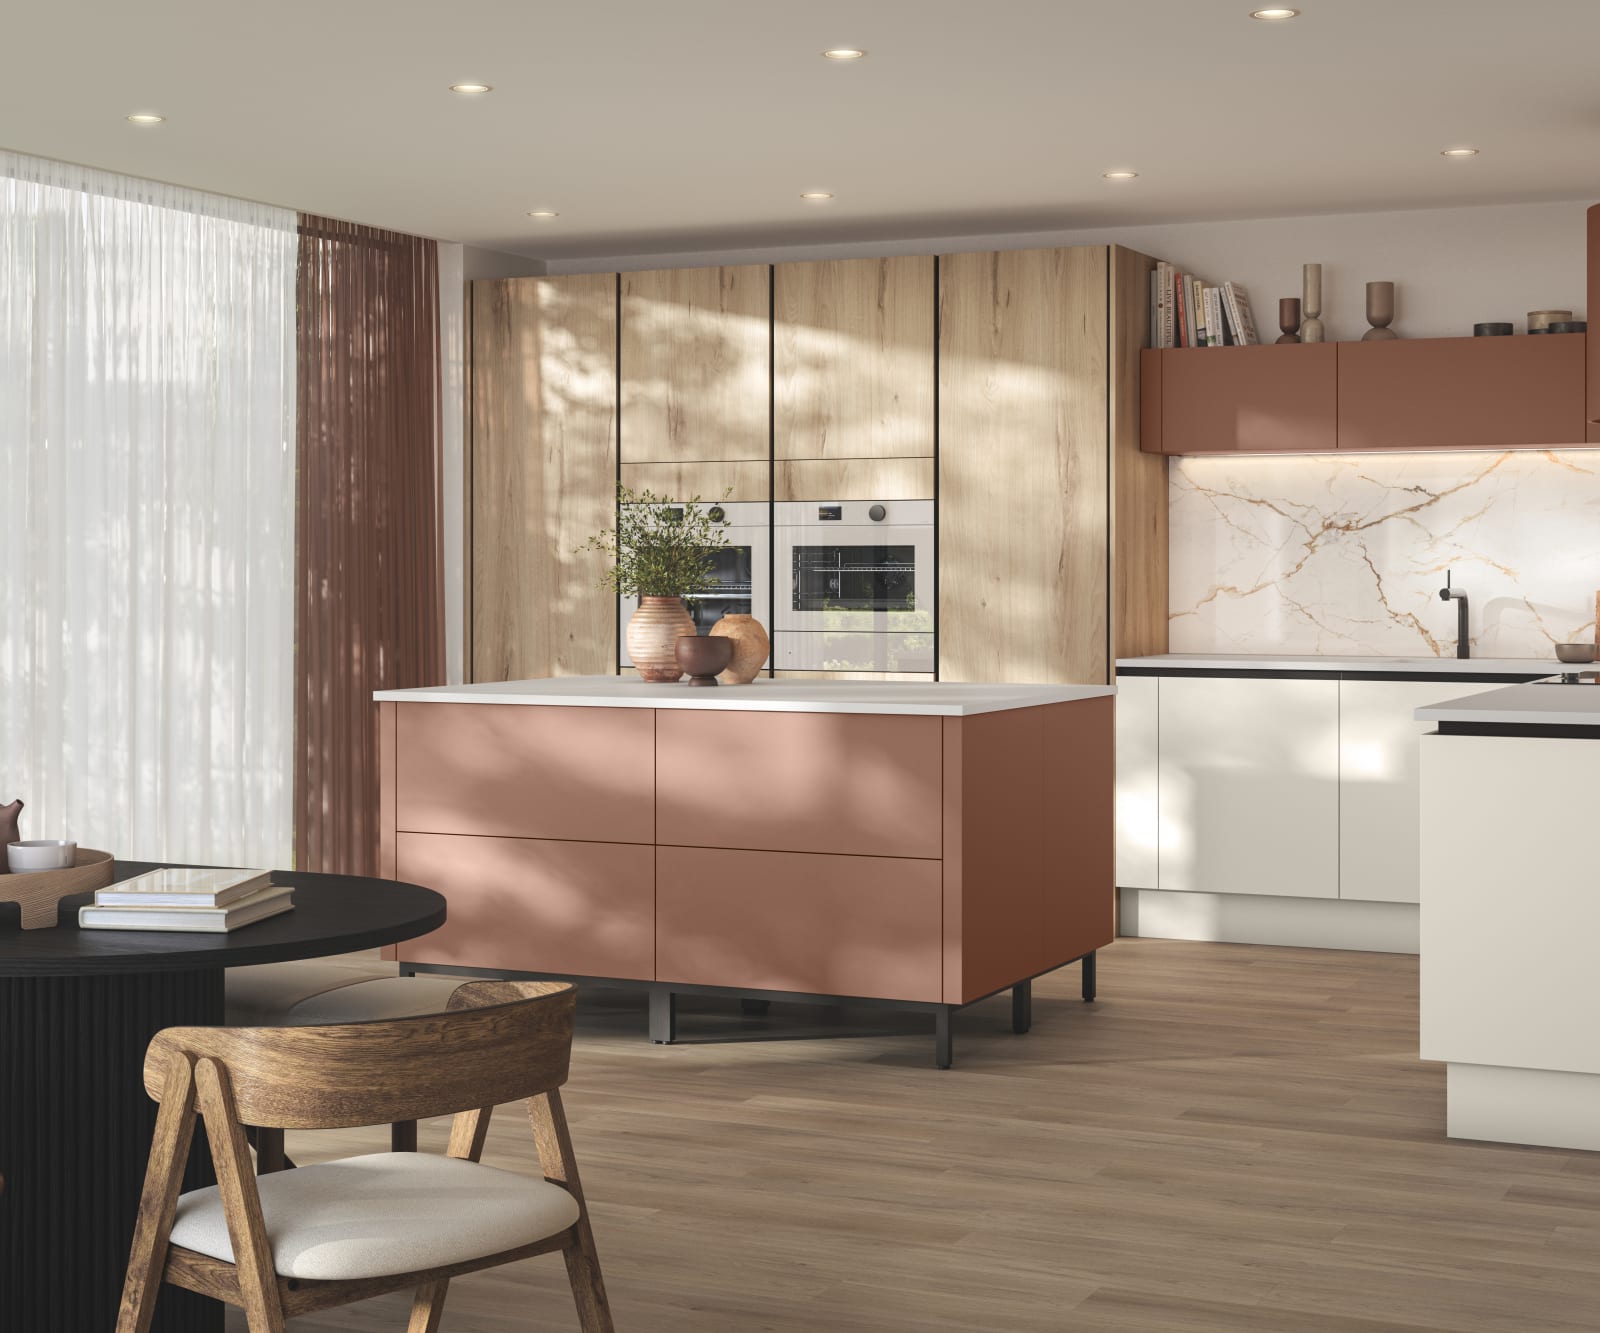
<point>702,657</point>
<point>1575,653</point>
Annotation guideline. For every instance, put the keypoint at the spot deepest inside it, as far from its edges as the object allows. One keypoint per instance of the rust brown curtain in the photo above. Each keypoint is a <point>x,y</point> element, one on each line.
<point>369,559</point>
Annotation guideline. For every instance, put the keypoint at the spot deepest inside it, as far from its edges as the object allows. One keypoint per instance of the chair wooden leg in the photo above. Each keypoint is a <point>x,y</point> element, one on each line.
<point>588,1287</point>
<point>427,1309</point>
<point>163,1180</point>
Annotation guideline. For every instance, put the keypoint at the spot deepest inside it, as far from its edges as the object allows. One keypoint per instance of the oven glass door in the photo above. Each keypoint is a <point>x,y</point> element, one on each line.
<point>862,579</point>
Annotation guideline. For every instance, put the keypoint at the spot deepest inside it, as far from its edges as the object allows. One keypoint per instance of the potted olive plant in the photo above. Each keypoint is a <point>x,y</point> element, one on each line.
<point>661,551</point>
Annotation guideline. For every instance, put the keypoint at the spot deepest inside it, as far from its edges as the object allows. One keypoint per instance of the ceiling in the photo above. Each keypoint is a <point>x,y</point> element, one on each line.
<point>661,125</point>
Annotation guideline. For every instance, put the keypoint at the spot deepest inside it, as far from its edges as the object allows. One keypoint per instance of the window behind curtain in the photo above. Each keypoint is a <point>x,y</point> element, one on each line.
<point>147,408</point>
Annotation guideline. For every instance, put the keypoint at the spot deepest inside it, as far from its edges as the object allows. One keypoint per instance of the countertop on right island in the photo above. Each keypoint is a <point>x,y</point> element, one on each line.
<point>1571,703</point>
<point>1338,666</point>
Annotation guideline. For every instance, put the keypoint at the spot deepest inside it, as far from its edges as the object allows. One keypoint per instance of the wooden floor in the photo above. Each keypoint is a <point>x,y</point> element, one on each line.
<point>1233,1139</point>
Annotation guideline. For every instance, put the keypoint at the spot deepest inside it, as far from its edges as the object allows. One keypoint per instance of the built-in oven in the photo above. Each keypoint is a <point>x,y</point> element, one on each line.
<point>855,586</point>
<point>740,582</point>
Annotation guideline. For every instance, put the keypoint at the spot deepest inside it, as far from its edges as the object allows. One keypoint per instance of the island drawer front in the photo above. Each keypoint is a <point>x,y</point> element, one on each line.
<point>513,770</point>
<point>844,783</point>
<point>786,921</point>
<point>535,905</point>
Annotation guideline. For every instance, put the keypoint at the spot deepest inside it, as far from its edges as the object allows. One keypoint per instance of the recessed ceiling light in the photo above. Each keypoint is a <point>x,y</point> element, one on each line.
<point>844,53</point>
<point>1274,15</point>
<point>146,118</point>
<point>1119,175</point>
<point>471,89</point>
<point>1458,152</point>
<point>544,213</point>
<point>816,196</point>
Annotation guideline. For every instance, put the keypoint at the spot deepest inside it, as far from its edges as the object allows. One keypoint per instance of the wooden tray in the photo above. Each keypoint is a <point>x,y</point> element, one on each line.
<point>39,892</point>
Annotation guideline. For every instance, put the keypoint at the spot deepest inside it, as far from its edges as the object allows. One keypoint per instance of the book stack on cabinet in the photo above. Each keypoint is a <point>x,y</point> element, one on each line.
<point>1186,311</point>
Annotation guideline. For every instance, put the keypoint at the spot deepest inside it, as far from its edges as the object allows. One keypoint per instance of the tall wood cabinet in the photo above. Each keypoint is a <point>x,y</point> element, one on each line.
<point>1052,532</point>
<point>544,459</point>
<point>853,379</point>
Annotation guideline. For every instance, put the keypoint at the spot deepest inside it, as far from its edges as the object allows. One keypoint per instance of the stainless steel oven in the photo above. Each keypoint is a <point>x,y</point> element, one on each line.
<point>855,586</point>
<point>741,580</point>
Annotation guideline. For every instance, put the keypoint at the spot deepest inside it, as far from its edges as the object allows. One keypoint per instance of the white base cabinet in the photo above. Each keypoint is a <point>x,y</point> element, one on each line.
<point>1249,786</point>
<point>1138,790</point>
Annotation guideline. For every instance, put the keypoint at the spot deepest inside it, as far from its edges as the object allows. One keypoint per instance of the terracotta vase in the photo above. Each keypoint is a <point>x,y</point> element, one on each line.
<point>652,637</point>
<point>751,647</point>
<point>9,832</point>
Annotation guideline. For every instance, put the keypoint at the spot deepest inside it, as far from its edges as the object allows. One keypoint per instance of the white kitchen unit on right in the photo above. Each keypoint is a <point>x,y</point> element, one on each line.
<point>1274,800</point>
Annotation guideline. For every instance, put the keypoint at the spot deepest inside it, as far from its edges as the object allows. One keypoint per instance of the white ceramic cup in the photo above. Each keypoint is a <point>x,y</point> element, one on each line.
<point>40,854</point>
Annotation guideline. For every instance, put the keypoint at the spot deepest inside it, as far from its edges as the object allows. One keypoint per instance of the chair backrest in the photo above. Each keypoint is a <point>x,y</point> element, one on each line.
<point>501,1041</point>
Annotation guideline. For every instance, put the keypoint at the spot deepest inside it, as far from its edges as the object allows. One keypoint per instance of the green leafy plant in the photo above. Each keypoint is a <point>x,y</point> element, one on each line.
<point>660,547</point>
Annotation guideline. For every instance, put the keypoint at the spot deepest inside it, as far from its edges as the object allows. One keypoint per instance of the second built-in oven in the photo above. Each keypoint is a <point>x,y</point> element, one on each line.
<point>854,584</point>
<point>739,582</point>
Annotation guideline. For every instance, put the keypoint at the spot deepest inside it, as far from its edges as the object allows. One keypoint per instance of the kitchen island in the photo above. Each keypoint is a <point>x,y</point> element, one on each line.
<point>914,844</point>
<point>1510,911</point>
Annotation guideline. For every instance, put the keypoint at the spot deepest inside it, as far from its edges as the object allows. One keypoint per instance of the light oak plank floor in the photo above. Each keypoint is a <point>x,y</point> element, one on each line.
<point>1233,1140</point>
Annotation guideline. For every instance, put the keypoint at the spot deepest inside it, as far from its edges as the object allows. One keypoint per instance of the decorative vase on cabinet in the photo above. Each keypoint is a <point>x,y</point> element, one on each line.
<point>652,637</point>
<point>751,647</point>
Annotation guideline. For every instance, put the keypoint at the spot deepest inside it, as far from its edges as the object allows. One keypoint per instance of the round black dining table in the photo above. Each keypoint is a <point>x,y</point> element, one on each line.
<point>77,1009</point>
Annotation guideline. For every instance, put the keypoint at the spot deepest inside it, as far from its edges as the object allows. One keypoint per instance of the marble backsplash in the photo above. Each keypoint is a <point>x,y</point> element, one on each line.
<point>1346,554</point>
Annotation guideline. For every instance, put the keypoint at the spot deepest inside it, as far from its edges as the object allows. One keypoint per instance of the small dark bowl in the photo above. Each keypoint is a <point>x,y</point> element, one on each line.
<point>1575,654</point>
<point>1494,330</point>
<point>1570,326</point>
<point>703,656</point>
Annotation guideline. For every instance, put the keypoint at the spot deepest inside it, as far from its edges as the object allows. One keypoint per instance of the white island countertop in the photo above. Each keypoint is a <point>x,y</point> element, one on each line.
<point>917,698</point>
<point>1531,667</point>
<point>1523,705</point>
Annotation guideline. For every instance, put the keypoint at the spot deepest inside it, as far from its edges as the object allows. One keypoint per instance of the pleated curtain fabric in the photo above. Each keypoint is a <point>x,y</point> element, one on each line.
<point>369,566</point>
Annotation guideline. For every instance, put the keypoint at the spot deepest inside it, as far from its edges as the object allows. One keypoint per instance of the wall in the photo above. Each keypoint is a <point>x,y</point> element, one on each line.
<point>1346,554</point>
<point>1453,267</point>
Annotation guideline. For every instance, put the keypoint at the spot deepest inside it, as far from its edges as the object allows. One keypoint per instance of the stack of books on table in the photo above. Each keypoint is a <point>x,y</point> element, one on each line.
<point>207,900</point>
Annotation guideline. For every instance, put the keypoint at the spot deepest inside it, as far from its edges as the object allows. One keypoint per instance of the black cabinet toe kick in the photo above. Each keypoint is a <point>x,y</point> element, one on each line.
<point>664,999</point>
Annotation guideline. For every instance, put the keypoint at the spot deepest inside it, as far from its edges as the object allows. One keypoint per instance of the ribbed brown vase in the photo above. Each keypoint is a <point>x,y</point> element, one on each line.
<point>750,648</point>
<point>652,637</point>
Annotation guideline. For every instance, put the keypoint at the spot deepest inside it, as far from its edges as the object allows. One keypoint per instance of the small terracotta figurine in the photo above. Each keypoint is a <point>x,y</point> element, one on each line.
<point>9,833</point>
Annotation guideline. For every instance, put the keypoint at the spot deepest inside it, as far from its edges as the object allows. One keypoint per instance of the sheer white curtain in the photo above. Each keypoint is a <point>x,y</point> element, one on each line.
<point>146,515</point>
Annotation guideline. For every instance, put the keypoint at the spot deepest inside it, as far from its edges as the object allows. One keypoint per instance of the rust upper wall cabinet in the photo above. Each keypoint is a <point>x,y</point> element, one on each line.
<point>694,365</point>
<point>1241,400</point>
<point>1461,393</point>
<point>1593,312</point>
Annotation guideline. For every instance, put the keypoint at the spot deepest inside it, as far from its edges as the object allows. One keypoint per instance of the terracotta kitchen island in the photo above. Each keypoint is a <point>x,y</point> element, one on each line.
<point>919,845</point>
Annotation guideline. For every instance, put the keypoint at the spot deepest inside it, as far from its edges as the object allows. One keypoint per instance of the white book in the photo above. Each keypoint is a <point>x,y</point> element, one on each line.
<point>1244,323</point>
<point>207,887</point>
<point>258,906</point>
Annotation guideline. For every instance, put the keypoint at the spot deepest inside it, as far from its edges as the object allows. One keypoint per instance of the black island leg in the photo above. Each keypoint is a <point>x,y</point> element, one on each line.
<point>1088,977</point>
<point>943,1044</point>
<point>75,1128</point>
<point>663,1016</point>
<point>1022,1006</point>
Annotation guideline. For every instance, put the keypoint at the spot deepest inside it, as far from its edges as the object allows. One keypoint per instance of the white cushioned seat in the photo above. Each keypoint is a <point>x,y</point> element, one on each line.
<point>380,997</point>
<point>260,996</point>
<point>382,1214</point>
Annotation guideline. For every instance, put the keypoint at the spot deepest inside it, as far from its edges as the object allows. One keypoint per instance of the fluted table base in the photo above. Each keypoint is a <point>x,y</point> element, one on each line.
<point>75,1128</point>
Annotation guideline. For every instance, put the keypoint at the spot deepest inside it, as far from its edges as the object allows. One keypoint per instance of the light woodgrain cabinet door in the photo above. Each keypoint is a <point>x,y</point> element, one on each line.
<point>544,458</point>
<point>784,921</point>
<point>1239,400</point>
<point>1249,786</point>
<point>1023,493</point>
<point>683,481</point>
<point>853,360</point>
<point>854,479</point>
<point>535,905</point>
<point>695,369</point>
<point>1379,756</point>
<point>1454,393</point>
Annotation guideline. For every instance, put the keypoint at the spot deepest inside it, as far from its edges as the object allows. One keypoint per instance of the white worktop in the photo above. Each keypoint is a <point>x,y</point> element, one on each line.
<point>1421,666</point>
<point>929,699</point>
<point>1523,705</point>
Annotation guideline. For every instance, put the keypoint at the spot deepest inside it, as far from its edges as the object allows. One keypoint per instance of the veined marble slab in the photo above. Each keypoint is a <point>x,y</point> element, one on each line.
<point>935,699</point>
<point>1329,554</point>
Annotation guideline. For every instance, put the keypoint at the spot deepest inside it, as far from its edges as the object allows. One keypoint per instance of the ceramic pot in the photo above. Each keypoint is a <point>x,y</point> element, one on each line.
<point>751,647</point>
<point>703,657</point>
<point>652,637</point>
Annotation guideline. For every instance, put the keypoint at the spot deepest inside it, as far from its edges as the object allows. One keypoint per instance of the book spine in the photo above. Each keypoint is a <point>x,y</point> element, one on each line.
<point>1247,324</point>
<point>1155,306</point>
<point>1169,300</point>
<point>1179,324</point>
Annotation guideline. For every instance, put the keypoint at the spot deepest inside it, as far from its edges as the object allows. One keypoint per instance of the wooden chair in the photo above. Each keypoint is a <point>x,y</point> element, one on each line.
<point>293,1242</point>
